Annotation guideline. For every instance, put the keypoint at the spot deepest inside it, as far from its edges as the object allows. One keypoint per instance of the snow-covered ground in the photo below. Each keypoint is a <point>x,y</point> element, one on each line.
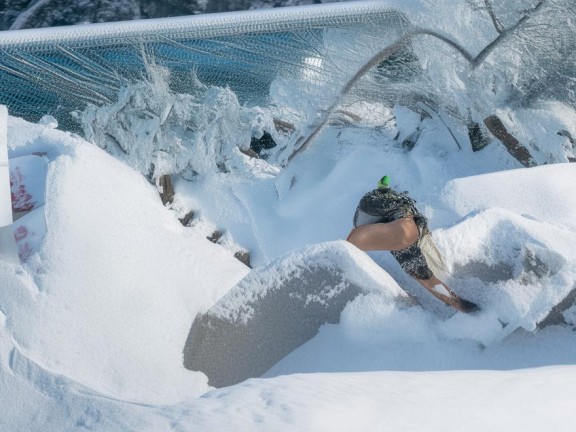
<point>93,325</point>
<point>94,320</point>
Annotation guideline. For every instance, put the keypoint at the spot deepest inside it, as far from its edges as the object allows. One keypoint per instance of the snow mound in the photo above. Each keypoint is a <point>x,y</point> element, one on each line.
<point>278,307</point>
<point>544,193</point>
<point>389,401</point>
<point>519,269</point>
<point>116,280</point>
<point>513,250</point>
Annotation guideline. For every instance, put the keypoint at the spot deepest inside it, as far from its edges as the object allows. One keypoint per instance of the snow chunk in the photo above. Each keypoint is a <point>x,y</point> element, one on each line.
<point>544,193</point>
<point>277,308</point>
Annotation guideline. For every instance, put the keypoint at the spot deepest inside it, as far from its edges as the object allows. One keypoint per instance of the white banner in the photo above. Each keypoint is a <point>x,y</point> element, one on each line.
<point>8,249</point>
<point>5,201</point>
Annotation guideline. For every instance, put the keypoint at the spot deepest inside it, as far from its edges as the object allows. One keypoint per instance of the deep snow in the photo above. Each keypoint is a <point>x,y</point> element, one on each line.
<point>93,325</point>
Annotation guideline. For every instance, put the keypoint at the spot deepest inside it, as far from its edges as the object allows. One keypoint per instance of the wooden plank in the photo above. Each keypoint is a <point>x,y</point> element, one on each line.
<point>514,147</point>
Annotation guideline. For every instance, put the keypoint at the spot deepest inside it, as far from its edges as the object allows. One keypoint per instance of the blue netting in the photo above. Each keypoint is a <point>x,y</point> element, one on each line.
<point>60,70</point>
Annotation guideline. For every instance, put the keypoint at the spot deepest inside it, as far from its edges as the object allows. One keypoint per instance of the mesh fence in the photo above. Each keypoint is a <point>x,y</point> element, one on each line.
<point>57,71</point>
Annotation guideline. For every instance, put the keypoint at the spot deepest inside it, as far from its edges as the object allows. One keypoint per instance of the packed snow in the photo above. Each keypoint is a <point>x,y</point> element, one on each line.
<point>94,318</point>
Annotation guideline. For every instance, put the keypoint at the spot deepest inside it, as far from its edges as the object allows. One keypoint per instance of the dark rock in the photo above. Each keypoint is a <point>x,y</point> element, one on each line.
<point>244,257</point>
<point>274,310</point>
<point>188,218</point>
<point>410,141</point>
<point>166,189</point>
<point>477,139</point>
<point>265,142</point>
<point>215,236</point>
<point>487,273</point>
<point>555,317</point>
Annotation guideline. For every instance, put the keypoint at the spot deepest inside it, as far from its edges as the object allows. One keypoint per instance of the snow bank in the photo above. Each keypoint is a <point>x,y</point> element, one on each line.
<point>102,310</point>
<point>117,279</point>
<point>544,193</point>
<point>530,400</point>
<point>513,251</point>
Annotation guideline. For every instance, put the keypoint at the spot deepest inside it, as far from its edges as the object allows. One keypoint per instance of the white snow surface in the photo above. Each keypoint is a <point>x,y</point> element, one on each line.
<point>339,257</point>
<point>93,325</point>
<point>110,247</point>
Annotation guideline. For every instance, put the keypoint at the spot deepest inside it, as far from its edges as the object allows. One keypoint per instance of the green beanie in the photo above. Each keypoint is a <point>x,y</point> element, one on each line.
<point>384,182</point>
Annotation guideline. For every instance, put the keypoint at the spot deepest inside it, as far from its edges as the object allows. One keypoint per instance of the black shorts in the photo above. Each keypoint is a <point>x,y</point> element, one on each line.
<point>411,259</point>
<point>413,262</point>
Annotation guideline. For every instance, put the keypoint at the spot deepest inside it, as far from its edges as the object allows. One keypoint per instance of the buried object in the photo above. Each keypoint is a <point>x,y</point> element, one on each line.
<point>277,308</point>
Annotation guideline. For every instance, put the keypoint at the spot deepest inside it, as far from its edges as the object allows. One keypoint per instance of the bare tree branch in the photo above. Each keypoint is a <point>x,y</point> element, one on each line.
<point>381,56</point>
<point>403,43</point>
<point>505,34</point>
<point>28,14</point>
<point>497,24</point>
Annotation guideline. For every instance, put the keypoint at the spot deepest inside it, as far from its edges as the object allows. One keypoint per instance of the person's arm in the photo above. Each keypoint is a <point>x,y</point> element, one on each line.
<point>442,292</point>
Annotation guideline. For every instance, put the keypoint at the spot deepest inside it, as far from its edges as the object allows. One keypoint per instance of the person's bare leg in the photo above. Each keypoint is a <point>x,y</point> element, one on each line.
<point>394,236</point>
<point>442,292</point>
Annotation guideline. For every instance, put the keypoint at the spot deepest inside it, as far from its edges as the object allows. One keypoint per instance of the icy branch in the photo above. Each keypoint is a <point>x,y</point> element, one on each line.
<point>381,56</point>
<point>504,34</point>
<point>497,24</point>
<point>25,16</point>
<point>402,43</point>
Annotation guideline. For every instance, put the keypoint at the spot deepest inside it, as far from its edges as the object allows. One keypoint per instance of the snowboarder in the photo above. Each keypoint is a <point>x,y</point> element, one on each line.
<point>388,220</point>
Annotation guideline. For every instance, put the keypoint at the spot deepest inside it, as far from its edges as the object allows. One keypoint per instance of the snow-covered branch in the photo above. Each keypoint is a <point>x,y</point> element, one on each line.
<point>28,14</point>
<point>404,42</point>
<point>497,24</point>
<point>504,34</point>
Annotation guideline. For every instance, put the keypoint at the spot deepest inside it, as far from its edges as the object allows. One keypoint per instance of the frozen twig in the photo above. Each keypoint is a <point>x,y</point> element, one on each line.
<point>504,34</point>
<point>497,24</point>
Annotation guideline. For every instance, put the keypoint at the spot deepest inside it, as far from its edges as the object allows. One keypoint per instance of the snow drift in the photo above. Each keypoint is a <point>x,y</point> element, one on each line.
<point>278,307</point>
<point>131,279</point>
<point>110,247</point>
<point>94,320</point>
